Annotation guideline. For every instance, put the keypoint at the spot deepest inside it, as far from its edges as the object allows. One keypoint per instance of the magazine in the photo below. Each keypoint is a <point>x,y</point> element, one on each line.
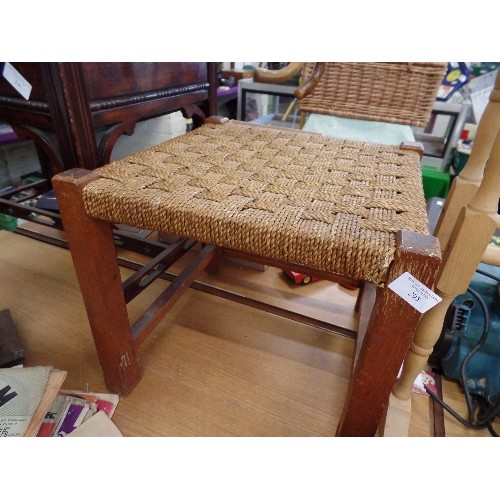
<point>21,391</point>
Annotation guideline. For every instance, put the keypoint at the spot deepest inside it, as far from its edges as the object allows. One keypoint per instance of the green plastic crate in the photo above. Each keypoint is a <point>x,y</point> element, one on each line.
<point>436,184</point>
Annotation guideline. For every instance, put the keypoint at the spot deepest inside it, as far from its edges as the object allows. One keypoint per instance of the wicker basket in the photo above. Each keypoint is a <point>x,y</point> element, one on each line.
<point>391,92</point>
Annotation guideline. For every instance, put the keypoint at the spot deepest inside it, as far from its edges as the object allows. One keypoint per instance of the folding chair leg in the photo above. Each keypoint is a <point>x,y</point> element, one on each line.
<point>94,257</point>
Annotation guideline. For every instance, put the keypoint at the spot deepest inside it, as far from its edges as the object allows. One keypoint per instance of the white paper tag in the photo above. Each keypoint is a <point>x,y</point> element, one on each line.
<point>414,292</point>
<point>17,80</point>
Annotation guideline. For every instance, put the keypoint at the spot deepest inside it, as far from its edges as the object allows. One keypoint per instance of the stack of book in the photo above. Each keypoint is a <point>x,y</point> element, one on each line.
<point>32,403</point>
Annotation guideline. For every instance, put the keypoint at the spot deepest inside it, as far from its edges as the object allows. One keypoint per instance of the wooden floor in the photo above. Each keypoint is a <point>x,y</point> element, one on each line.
<point>213,367</point>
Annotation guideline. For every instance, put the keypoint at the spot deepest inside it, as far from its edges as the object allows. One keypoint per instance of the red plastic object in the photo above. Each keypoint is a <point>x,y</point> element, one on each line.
<point>300,278</point>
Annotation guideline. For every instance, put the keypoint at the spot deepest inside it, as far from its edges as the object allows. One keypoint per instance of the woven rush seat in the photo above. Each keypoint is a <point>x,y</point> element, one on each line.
<point>295,197</point>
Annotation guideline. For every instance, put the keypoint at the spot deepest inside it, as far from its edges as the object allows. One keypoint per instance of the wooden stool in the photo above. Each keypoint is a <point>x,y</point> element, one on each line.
<point>340,210</point>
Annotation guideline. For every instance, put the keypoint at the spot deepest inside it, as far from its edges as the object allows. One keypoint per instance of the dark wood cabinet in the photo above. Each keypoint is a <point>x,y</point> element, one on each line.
<point>71,102</point>
<point>77,111</point>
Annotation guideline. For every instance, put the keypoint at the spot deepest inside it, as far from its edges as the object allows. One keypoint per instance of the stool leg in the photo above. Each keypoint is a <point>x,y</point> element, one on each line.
<point>215,265</point>
<point>94,256</point>
<point>387,338</point>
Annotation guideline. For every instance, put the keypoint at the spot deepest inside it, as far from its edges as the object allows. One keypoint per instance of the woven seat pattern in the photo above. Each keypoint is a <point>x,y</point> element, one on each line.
<point>297,197</point>
<point>401,93</point>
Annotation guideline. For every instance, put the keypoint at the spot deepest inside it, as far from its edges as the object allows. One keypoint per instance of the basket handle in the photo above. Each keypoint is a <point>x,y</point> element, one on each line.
<point>264,75</point>
<point>307,87</point>
<point>282,75</point>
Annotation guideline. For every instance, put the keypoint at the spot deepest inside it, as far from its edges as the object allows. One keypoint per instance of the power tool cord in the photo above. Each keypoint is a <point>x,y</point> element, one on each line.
<point>483,421</point>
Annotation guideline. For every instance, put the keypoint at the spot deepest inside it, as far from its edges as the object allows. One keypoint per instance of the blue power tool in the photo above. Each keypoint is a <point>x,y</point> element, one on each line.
<point>464,339</point>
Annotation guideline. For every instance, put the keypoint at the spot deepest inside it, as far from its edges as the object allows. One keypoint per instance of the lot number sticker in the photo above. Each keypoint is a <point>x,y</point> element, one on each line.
<point>414,292</point>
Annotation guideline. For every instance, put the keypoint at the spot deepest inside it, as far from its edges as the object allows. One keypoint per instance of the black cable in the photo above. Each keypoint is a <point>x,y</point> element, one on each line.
<point>476,426</point>
<point>493,412</point>
<point>490,415</point>
<point>450,410</point>
<point>492,431</point>
<point>483,421</point>
<point>473,351</point>
<point>488,275</point>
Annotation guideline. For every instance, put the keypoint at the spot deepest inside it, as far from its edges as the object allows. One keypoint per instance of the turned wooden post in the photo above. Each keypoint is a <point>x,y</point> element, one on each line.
<point>467,243</point>
<point>464,186</point>
<point>454,278</point>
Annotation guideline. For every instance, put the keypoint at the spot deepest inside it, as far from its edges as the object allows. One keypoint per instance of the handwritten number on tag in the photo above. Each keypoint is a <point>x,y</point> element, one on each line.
<point>414,292</point>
